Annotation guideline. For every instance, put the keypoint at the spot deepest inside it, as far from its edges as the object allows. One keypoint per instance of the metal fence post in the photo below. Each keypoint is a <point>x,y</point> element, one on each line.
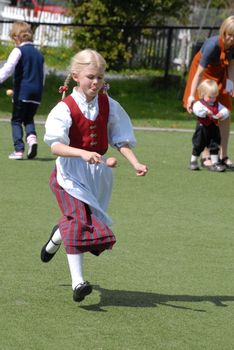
<point>168,52</point>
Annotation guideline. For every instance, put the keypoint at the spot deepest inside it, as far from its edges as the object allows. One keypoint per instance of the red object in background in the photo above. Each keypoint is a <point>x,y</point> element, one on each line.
<point>52,6</point>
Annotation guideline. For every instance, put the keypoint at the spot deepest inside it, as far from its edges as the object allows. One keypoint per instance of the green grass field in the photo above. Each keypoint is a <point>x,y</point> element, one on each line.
<point>146,101</point>
<point>167,284</point>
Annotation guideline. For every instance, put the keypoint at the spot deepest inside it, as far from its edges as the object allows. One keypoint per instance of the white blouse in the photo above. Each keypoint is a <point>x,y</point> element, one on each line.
<point>89,183</point>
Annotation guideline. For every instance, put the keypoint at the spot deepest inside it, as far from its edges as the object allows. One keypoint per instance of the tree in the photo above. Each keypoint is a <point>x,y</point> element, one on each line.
<point>113,27</point>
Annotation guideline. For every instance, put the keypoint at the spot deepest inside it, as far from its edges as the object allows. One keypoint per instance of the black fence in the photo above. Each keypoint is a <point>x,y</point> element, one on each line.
<point>167,48</point>
<point>170,48</point>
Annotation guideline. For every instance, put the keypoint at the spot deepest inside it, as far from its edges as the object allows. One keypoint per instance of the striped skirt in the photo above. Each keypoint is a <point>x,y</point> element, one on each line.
<point>80,229</point>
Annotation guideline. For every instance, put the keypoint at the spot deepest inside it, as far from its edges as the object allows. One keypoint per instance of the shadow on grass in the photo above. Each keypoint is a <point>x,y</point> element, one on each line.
<point>45,159</point>
<point>41,159</point>
<point>144,299</point>
<point>37,159</point>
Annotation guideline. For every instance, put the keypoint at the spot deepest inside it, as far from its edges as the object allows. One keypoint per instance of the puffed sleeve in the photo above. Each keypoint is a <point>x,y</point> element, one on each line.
<point>199,109</point>
<point>120,130</point>
<point>57,125</point>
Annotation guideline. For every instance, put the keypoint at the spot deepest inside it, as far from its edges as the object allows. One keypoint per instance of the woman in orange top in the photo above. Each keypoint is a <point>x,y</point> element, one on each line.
<point>215,61</point>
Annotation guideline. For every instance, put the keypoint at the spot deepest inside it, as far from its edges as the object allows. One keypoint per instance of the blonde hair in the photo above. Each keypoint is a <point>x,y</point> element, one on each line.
<point>84,58</point>
<point>227,27</point>
<point>81,60</point>
<point>21,31</point>
<point>208,87</point>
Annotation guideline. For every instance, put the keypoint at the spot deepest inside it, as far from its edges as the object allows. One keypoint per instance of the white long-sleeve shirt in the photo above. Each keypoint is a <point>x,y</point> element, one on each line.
<point>90,183</point>
<point>200,110</point>
<point>9,67</point>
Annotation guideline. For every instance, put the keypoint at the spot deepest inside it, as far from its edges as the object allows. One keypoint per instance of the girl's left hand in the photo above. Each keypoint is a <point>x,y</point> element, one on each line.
<point>141,169</point>
<point>218,116</point>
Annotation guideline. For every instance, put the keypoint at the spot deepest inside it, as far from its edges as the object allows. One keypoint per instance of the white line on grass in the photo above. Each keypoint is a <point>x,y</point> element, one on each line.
<point>141,128</point>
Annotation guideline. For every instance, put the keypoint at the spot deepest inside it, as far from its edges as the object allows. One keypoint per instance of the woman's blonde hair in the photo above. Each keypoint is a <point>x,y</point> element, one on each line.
<point>81,60</point>
<point>227,27</point>
<point>208,87</point>
<point>21,31</point>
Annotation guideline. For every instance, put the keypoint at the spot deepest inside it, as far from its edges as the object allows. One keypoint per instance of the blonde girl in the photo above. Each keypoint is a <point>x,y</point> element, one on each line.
<point>78,131</point>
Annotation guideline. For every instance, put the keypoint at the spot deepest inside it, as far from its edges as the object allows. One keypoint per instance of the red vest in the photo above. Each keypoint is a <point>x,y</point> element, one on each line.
<point>209,120</point>
<point>87,134</point>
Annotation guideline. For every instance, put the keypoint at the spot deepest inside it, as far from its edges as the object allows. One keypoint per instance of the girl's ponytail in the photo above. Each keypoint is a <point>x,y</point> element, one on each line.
<point>64,88</point>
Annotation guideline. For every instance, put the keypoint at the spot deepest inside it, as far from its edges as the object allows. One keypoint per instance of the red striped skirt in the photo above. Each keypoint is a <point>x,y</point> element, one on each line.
<point>80,229</point>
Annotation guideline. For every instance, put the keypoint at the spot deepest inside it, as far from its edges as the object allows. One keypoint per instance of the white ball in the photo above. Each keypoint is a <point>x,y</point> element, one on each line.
<point>9,92</point>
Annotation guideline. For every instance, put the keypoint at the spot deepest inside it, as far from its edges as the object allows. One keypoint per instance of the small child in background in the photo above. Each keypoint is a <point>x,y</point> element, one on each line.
<point>26,64</point>
<point>78,130</point>
<point>207,134</point>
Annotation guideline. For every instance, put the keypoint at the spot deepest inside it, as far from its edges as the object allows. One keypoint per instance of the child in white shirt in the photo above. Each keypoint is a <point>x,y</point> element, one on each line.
<point>207,134</point>
<point>78,130</point>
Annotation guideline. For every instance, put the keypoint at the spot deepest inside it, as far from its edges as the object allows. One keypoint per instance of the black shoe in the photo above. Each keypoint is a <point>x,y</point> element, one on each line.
<point>228,166</point>
<point>194,165</point>
<point>32,151</point>
<point>45,256</point>
<point>81,290</point>
<point>218,167</point>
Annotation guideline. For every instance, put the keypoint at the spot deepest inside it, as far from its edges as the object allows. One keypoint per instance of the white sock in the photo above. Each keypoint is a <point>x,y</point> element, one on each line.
<point>214,158</point>
<point>75,262</point>
<point>194,158</point>
<point>52,246</point>
<point>31,139</point>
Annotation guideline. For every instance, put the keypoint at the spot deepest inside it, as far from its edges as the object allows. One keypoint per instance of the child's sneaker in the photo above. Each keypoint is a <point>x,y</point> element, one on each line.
<point>194,165</point>
<point>32,146</point>
<point>16,155</point>
<point>218,167</point>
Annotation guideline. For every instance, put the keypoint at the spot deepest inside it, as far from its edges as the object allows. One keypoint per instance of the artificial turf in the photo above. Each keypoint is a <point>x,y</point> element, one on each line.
<point>168,282</point>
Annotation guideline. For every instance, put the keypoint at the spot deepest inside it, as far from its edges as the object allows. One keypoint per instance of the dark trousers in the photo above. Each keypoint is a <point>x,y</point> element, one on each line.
<point>206,136</point>
<point>23,114</point>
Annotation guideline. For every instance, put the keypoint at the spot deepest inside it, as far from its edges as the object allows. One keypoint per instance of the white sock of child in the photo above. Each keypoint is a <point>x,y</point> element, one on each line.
<point>194,158</point>
<point>75,262</point>
<point>214,158</point>
<point>55,240</point>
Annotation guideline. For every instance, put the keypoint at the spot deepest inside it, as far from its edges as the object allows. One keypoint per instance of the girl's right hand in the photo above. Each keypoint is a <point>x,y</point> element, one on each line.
<point>190,102</point>
<point>91,157</point>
